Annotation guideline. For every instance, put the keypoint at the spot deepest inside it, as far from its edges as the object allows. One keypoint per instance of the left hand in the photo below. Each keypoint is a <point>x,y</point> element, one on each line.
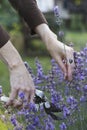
<point>21,81</point>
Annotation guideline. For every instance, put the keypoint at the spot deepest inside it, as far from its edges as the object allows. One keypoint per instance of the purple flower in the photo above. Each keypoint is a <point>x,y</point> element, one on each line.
<point>85,88</point>
<point>32,107</point>
<point>63,126</point>
<point>40,73</point>
<point>57,15</point>
<point>56,11</point>
<point>21,95</point>
<point>60,33</point>
<point>83,99</point>
<point>36,121</point>
<point>49,124</point>
<point>85,49</point>
<point>30,127</point>
<point>0,90</point>
<point>13,120</point>
<point>71,100</point>
<point>66,112</point>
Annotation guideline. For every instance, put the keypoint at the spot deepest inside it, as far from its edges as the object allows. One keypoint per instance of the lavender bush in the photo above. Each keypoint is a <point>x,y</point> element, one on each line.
<point>70,97</point>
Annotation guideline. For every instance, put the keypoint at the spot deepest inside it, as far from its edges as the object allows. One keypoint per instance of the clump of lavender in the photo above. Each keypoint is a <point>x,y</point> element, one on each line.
<point>70,97</point>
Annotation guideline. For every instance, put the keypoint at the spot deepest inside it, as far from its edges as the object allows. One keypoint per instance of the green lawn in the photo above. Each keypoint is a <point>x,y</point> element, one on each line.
<point>4,78</point>
<point>79,39</point>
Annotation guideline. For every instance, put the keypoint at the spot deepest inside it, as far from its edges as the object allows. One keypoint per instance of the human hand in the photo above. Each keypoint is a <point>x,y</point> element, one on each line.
<point>64,56</point>
<point>59,51</point>
<point>20,79</point>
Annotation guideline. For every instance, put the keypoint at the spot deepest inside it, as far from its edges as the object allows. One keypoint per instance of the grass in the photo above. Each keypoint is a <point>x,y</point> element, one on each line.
<point>4,74</point>
<point>79,39</point>
<point>4,78</point>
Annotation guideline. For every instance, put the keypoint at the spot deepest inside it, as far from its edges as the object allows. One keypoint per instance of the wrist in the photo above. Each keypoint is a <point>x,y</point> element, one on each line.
<point>10,56</point>
<point>14,65</point>
<point>46,34</point>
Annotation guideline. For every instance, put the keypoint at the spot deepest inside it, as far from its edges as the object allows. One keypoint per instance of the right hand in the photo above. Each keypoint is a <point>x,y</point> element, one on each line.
<point>57,50</point>
<point>60,53</point>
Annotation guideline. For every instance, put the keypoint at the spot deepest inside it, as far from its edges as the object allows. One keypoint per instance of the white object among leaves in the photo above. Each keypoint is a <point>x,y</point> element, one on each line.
<point>4,99</point>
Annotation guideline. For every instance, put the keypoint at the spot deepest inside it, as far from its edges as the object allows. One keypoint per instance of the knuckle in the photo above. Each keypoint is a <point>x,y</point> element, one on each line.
<point>33,90</point>
<point>23,89</point>
<point>28,89</point>
<point>15,89</point>
<point>72,50</point>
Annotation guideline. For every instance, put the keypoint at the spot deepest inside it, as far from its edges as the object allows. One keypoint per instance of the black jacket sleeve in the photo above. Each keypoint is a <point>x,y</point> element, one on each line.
<point>29,10</point>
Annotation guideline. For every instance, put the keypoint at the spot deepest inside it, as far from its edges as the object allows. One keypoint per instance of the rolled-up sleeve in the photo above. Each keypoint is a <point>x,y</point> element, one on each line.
<point>29,10</point>
<point>4,37</point>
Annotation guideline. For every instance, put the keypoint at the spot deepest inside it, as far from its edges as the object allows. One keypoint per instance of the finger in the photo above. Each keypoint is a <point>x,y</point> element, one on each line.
<point>12,97</point>
<point>27,95</point>
<point>70,71</point>
<point>18,104</point>
<point>32,95</point>
<point>22,99</point>
<point>62,66</point>
<point>69,75</point>
<point>70,68</point>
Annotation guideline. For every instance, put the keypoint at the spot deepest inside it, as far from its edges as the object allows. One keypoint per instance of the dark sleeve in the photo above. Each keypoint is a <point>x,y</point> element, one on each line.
<point>4,37</point>
<point>29,10</point>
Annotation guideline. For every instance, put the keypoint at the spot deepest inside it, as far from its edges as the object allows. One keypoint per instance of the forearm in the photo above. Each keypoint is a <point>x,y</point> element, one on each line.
<point>20,79</point>
<point>45,33</point>
<point>10,56</point>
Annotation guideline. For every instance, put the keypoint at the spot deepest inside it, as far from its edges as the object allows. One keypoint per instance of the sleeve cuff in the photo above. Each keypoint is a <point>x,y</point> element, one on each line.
<point>4,37</point>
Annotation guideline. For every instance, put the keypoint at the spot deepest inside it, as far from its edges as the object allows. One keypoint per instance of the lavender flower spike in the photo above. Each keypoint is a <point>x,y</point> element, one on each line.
<point>56,11</point>
<point>63,126</point>
<point>57,15</point>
